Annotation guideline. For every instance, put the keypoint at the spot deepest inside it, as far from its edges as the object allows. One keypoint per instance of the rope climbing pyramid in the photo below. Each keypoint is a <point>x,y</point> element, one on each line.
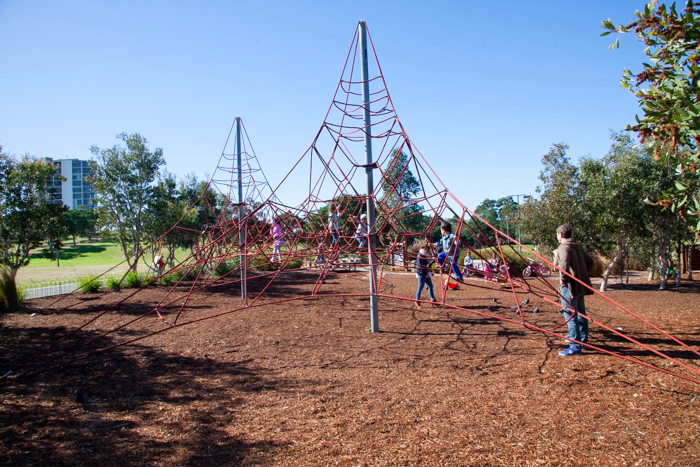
<point>373,204</point>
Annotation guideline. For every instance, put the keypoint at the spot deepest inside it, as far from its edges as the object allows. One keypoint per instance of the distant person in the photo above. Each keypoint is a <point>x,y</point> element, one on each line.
<point>333,224</point>
<point>277,240</point>
<point>159,263</point>
<point>450,249</point>
<point>468,264</point>
<point>424,263</point>
<point>361,232</point>
<point>571,258</point>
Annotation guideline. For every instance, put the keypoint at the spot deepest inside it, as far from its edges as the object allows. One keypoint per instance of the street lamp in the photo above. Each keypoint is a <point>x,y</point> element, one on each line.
<point>525,197</point>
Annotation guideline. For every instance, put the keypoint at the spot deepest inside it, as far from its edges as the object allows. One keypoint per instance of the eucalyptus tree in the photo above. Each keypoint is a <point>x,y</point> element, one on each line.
<point>169,221</point>
<point>613,190</point>
<point>123,180</point>
<point>28,215</point>
<point>559,199</point>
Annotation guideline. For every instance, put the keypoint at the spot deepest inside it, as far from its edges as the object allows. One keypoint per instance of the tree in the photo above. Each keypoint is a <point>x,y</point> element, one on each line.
<point>398,187</point>
<point>28,215</point>
<point>80,221</point>
<point>613,190</point>
<point>668,93</point>
<point>122,178</point>
<point>559,198</point>
<point>605,202</point>
<point>170,218</point>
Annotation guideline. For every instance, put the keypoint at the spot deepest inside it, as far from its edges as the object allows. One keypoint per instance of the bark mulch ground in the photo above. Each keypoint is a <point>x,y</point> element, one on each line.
<point>306,383</point>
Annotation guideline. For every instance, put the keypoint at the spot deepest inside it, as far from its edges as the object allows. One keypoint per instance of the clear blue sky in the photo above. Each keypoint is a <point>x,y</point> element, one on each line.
<point>483,88</point>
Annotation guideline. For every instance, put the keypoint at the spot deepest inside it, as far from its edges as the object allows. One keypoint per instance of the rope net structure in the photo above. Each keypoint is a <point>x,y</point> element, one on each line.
<point>240,247</point>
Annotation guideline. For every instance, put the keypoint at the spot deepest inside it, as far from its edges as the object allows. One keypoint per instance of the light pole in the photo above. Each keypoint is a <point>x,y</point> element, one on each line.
<point>525,197</point>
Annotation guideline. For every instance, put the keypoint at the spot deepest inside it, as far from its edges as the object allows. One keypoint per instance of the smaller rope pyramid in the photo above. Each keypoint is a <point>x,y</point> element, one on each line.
<point>254,242</point>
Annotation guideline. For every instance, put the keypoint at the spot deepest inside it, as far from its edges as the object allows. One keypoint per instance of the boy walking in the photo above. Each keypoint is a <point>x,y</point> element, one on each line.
<point>423,273</point>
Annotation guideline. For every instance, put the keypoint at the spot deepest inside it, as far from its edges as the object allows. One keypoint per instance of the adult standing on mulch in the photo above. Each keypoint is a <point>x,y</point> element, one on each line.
<point>572,259</point>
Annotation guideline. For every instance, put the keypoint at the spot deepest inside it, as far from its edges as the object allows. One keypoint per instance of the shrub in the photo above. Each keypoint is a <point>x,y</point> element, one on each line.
<point>112,283</point>
<point>89,284</point>
<point>295,264</point>
<point>260,262</point>
<point>133,279</point>
<point>176,275</point>
<point>224,268</point>
<point>192,273</point>
<point>601,263</point>
<point>21,295</point>
<point>170,278</point>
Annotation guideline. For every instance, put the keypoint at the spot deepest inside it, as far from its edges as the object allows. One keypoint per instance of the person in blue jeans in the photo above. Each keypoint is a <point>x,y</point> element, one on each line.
<point>333,224</point>
<point>572,259</point>
<point>423,273</point>
<point>449,244</point>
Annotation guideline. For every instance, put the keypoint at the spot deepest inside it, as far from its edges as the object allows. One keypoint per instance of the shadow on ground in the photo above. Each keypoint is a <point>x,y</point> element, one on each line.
<point>133,409</point>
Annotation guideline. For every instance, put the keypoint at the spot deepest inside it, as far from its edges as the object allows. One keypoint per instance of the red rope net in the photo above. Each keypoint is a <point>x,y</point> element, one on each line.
<point>304,240</point>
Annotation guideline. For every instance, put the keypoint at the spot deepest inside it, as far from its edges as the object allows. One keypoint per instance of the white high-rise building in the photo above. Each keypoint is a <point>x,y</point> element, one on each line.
<point>74,191</point>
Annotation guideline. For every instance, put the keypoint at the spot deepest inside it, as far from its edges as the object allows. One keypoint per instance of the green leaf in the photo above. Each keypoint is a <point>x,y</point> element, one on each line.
<point>608,25</point>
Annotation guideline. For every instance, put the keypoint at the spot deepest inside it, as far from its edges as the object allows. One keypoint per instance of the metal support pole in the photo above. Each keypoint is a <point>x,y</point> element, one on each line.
<point>518,204</point>
<point>241,211</point>
<point>371,240</point>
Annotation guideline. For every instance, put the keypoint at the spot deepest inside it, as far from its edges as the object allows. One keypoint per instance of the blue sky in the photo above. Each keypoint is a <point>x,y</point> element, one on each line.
<point>482,88</point>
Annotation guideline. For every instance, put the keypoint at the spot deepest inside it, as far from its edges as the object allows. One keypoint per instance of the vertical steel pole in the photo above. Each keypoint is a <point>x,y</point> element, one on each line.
<point>373,298</point>
<point>241,226</point>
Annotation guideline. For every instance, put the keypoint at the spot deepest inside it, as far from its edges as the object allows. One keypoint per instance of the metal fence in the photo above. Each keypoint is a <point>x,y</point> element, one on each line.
<point>50,290</point>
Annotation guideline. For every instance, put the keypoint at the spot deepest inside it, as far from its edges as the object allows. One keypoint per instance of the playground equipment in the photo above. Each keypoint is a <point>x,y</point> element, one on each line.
<point>361,136</point>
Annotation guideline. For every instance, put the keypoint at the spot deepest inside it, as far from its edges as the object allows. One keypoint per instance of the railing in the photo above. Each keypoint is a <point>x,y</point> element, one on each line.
<point>59,288</point>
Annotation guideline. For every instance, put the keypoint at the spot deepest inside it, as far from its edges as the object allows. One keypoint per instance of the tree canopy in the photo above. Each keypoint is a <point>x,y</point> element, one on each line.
<point>122,178</point>
<point>28,215</point>
<point>399,186</point>
<point>668,93</point>
<point>604,200</point>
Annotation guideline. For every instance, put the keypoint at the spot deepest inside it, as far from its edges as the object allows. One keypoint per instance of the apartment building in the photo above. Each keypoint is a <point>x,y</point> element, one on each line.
<point>74,191</point>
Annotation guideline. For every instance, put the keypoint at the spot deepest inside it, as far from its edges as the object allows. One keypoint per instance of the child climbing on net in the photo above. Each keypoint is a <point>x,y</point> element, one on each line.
<point>361,232</point>
<point>449,255</point>
<point>277,241</point>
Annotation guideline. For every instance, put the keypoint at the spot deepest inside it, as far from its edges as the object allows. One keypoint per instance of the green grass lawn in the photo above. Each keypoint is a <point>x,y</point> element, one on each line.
<point>86,258</point>
<point>83,254</point>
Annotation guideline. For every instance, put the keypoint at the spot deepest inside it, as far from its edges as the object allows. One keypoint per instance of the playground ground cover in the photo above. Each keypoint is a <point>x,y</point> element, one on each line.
<point>307,383</point>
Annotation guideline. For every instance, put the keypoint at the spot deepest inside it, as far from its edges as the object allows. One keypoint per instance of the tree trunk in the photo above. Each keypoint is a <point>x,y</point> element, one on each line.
<point>127,256</point>
<point>8,289</point>
<point>611,266</point>
<point>74,240</point>
<point>690,261</point>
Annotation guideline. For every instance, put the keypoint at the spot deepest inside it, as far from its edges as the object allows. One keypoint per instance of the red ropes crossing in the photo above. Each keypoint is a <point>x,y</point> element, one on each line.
<point>324,237</point>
